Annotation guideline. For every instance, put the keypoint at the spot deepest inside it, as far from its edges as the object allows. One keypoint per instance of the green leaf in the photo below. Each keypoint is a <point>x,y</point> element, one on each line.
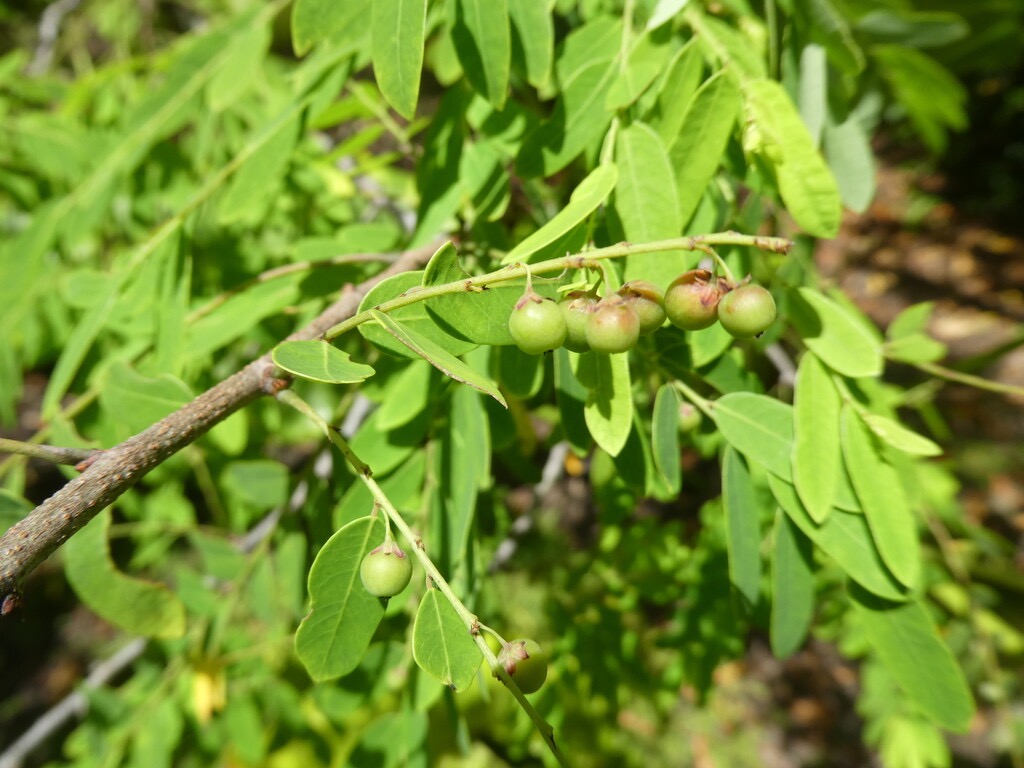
<point>792,587</point>
<point>479,317</point>
<point>676,92</point>
<point>742,527</point>
<point>664,11</point>
<point>319,361</point>
<point>242,67</point>
<point>255,184</point>
<point>520,374</point>
<point>643,65</point>
<point>731,47</point>
<point>665,435</point>
<point>239,314</point>
<point>397,29</point>
<point>829,27</point>
<point>899,437</point>
<point>438,357</point>
<point>609,407</point>
<point>480,32</point>
<point>908,644</point>
<point>138,401</point>
<point>262,483</point>
<point>883,500</point>
<point>585,199</point>
<point>759,427</point>
<point>933,98</point>
<point>698,150</point>
<point>817,457</point>
<point>844,537</point>
<point>413,316</point>
<point>572,397</point>
<point>838,339</point>
<point>12,509</point>
<point>135,606</point>
<point>646,202</point>
<point>907,339</point>
<point>442,645</point>
<point>848,153</point>
<point>812,90</point>
<point>915,29</point>
<point>806,184</point>
<point>534,30</point>
<point>316,20</point>
<point>343,616</point>
<point>585,70</point>
<point>405,396</point>
<point>467,448</point>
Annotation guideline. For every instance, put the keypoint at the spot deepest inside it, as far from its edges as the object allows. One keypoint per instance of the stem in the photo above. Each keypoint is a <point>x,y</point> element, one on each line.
<point>572,261</point>
<point>942,372</point>
<point>288,397</point>
<point>51,453</point>
<point>706,406</point>
<point>721,265</point>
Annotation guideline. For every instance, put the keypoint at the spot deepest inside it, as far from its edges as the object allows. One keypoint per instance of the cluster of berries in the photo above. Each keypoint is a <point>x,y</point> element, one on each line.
<point>583,321</point>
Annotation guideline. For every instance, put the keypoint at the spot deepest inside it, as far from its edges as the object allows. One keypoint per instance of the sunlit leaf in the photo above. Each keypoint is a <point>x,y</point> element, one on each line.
<point>441,643</point>
<point>319,361</point>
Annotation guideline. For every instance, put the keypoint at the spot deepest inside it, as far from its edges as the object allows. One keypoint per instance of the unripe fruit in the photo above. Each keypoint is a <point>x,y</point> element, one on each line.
<point>689,417</point>
<point>746,311</point>
<point>691,301</point>
<point>537,324</point>
<point>525,663</point>
<point>386,570</point>
<point>577,306</point>
<point>613,326</point>
<point>646,300</point>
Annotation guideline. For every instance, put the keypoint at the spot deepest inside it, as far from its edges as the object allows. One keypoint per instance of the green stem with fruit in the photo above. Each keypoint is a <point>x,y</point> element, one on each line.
<point>392,516</point>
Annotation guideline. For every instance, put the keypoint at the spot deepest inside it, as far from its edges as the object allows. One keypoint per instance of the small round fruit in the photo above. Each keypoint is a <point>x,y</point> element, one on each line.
<point>689,417</point>
<point>525,663</point>
<point>386,570</point>
<point>648,303</point>
<point>691,301</point>
<point>746,311</point>
<point>577,306</point>
<point>613,326</point>
<point>537,325</point>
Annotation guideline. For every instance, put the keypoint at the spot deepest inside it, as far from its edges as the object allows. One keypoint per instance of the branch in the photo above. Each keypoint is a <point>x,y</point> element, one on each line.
<point>34,538</point>
<point>51,453</point>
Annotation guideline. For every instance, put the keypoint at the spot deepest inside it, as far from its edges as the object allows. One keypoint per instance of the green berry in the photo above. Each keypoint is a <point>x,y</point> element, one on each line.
<point>386,570</point>
<point>526,663</point>
<point>613,326</point>
<point>537,324</point>
<point>691,301</point>
<point>648,303</point>
<point>689,417</point>
<point>746,311</point>
<point>577,306</point>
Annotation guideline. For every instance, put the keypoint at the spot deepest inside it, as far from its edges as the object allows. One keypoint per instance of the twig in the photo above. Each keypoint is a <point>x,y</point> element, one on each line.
<point>51,453</point>
<point>49,28</point>
<point>31,540</point>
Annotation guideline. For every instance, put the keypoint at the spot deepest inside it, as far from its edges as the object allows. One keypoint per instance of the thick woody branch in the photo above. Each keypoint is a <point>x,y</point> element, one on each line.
<point>31,540</point>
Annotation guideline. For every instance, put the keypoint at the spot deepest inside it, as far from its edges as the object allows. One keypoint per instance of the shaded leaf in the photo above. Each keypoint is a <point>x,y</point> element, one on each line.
<point>135,606</point>
<point>480,32</point>
<point>792,587</point>
<point>908,644</point>
<point>742,526</point>
<point>534,30</point>
<point>609,407</point>
<point>665,435</point>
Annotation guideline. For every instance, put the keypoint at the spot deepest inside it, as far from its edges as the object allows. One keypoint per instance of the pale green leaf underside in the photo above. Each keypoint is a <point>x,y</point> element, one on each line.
<point>839,340</point>
<point>792,587</point>
<point>609,408</point>
<point>319,361</point>
<point>742,527</point>
<point>817,457</point>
